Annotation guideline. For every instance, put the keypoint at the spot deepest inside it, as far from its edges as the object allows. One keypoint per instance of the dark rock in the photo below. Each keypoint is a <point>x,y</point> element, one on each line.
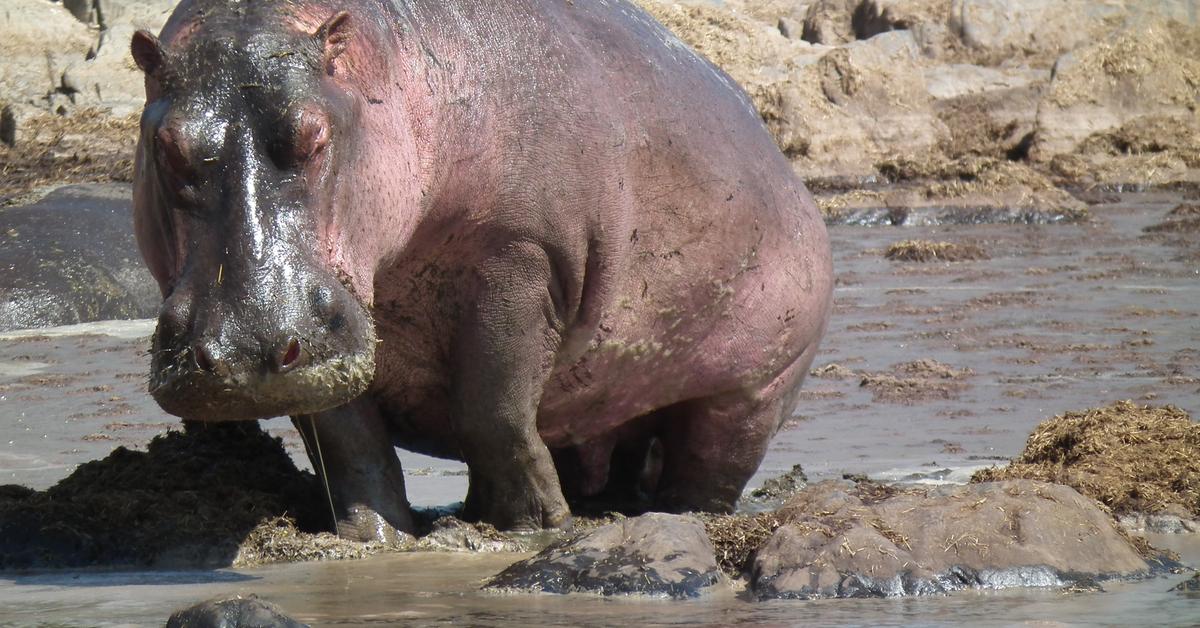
<point>233,612</point>
<point>655,555</point>
<point>782,487</point>
<point>71,258</point>
<point>840,542</point>
<point>1190,586</point>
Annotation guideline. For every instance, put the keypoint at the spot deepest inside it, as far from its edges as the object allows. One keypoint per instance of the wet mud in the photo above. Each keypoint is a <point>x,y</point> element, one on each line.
<point>190,500</point>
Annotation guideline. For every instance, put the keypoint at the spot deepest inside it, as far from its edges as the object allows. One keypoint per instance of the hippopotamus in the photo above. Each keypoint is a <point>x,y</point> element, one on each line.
<point>544,238</point>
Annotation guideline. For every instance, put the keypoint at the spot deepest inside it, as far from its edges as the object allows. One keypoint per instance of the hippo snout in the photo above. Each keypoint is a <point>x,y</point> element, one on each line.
<point>215,358</point>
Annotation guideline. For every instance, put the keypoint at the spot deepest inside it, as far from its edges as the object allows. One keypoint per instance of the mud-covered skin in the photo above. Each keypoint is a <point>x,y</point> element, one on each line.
<point>574,235</point>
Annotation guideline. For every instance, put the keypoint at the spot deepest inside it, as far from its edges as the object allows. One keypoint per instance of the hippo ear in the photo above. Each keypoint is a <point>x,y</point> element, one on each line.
<point>147,52</point>
<point>334,36</point>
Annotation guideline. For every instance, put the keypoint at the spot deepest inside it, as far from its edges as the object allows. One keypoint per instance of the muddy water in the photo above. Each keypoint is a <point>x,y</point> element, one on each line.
<point>427,589</point>
<point>1060,317</point>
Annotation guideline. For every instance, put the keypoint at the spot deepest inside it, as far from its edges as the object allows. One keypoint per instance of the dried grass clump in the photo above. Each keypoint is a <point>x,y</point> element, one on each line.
<point>1189,224</point>
<point>1130,458</point>
<point>1179,135</point>
<point>927,367</point>
<point>278,540</point>
<point>1185,210</point>
<point>915,382</point>
<point>833,371</point>
<point>1165,51</point>
<point>735,538</point>
<point>87,146</point>
<point>927,251</point>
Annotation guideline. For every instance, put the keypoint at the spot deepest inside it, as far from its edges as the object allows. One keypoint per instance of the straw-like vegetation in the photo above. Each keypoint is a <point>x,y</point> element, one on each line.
<point>1131,458</point>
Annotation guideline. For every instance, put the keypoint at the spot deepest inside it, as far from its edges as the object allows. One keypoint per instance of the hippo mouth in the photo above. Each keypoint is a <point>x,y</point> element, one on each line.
<point>323,379</point>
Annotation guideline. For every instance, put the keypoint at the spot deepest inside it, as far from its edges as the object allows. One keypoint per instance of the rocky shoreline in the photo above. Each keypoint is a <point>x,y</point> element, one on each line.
<point>1001,108</point>
<point>228,495</point>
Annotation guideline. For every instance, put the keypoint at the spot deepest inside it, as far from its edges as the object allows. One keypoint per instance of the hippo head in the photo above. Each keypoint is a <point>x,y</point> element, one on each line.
<point>237,176</point>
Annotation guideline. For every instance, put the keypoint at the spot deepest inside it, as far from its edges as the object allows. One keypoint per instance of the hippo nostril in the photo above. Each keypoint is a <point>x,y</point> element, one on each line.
<point>289,357</point>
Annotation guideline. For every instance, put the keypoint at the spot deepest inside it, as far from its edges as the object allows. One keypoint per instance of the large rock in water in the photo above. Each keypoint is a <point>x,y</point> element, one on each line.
<point>655,554</point>
<point>71,258</point>
<point>1147,70</point>
<point>233,612</point>
<point>841,542</point>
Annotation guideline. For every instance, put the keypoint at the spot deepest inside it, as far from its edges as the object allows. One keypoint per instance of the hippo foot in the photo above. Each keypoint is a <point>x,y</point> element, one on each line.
<point>364,525</point>
<point>517,509</point>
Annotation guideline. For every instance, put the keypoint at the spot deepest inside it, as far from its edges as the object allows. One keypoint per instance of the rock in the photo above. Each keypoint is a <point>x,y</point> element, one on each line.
<point>1164,523</point>
<point>969,190</point>
<point>1189,586</point>
<point>839,111</point>
<point>956,80</point>
<point>838,541</point>
<point>77,53</point>
<point>1146,70</point>
<point>14,121</point>
<point>780,487</point>
<point>71,258</point>
<point>790,28</point>
<point>1036,31</point>
<point>655,555</point>
<point>990,112</point>
<point>927,20</point>
<point>108,79</point>
<point>829,22</point>
<point>233,612</point>
<point>769,11</point>
<point>38,40</point>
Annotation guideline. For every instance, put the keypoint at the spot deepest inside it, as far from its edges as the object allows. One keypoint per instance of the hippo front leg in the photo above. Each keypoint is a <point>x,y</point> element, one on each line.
<point>503,358</point>
<point>352,452</point>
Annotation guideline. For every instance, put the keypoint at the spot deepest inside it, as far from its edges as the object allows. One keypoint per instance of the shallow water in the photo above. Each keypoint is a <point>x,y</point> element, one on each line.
<point>438,589</point>
<point>1061,317</point>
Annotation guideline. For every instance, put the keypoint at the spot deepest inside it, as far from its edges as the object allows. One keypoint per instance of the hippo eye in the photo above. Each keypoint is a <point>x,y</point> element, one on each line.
<point>312,138</point>
<point>175,169</point>
<point>171,156</point>
<point>308,139</point>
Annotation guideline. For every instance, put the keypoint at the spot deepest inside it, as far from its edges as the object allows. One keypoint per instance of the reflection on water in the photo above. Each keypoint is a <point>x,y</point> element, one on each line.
<point>435,589</point>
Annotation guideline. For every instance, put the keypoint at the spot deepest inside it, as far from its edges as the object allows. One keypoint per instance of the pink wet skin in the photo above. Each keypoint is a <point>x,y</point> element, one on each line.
<point>590,270</point>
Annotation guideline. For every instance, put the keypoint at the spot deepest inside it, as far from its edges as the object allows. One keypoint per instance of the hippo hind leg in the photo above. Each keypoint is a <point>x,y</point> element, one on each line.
<point>351,451</point>
<point>711,446</point>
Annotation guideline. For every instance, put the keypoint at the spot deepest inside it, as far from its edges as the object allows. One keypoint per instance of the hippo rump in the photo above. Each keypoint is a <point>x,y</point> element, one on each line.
<point>545,238</point>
